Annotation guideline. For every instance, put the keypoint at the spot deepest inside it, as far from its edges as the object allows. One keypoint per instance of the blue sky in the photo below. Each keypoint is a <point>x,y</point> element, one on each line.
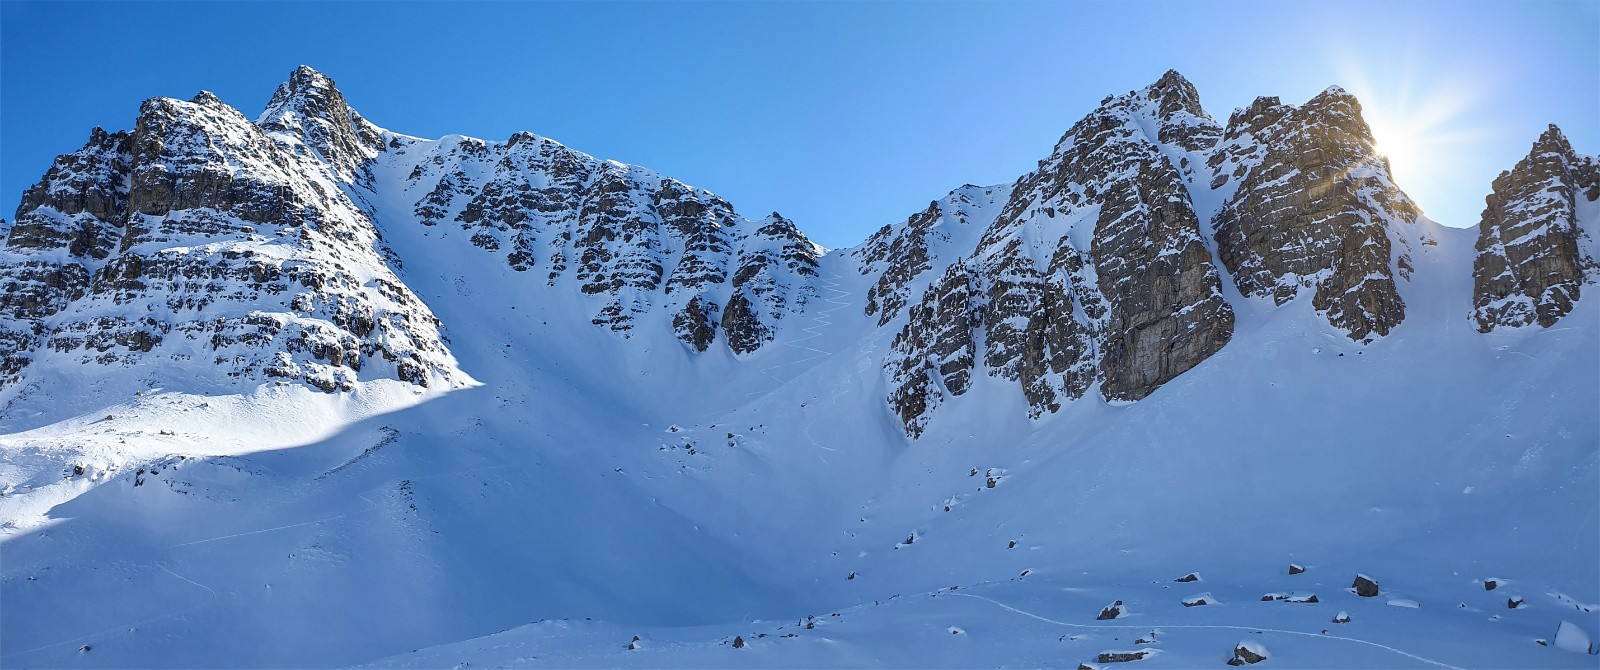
<point>844,117</point>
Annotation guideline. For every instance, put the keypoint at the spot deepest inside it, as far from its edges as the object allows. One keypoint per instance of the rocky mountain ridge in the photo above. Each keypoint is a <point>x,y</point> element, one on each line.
<point>223,252</point>
<point>242,251</point>
<point>199,242</point>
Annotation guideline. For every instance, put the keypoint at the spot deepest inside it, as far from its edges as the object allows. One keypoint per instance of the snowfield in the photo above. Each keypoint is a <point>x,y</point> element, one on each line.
<point>581,488</point>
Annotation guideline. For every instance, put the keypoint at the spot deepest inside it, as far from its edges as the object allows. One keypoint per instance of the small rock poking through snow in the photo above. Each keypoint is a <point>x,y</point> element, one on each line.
<point>1248,652</point>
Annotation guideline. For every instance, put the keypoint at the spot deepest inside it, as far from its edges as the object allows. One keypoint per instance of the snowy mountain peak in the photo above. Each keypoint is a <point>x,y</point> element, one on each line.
<point>1539,238</point>
<point>640,248</point>
<point>309,110</point>
<point>302,392</point>
<point>1309,204</point>
<point>214,257</point>
<point>1173,93</point>
<point>1094,271</point>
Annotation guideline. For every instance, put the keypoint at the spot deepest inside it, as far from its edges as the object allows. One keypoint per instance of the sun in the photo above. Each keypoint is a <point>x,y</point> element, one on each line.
<point>1417,125</point>
<point>1395,146</point>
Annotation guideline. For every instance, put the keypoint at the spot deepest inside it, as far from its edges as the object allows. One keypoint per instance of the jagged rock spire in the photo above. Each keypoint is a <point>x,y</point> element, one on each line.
<point>1532,262</point>
<point>1311,205</point>
<point>309,108</point>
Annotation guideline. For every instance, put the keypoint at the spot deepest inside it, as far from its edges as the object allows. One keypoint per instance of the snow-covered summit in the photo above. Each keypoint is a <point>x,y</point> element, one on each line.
<point>203,253</point>
<point>1537,242</point>
<point>309,111</point>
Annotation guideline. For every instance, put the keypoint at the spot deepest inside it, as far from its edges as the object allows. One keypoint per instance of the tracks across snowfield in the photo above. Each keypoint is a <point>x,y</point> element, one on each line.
<point>1320,636</point>
<point>818,321</point>
<point>369,505</point>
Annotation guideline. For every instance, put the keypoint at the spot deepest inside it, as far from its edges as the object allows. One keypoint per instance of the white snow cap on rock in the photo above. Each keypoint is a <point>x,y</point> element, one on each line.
<point>1572,637</point>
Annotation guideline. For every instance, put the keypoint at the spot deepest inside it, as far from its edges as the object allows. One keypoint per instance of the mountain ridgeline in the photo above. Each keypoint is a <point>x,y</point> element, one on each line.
<point>230,252</point>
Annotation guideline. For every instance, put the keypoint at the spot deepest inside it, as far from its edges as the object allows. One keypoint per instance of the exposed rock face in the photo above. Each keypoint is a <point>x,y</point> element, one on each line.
<point>311,118</point>
<point>1535,249</point>
<point>639,242</point>
<point>1100,270</point>
<point>232,251</point>
<point>1094,271</point>
<point>199,241</point>
<point>1120,656</point>
<point>67,225</point>
<point>899,254</point>
<point>932,358</point>
<point>1313,205</point>
<point>1247,653</point>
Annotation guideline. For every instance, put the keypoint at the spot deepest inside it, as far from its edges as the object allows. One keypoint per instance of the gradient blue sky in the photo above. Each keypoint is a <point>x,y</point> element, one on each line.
<point>843,117</point>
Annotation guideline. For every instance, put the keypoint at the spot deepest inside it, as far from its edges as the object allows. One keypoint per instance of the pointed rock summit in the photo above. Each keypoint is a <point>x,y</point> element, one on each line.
<point>1094,271</point>
<point>1535,251</point>
<point>1311,205</point>
<point>309,107</point>
<point>201,248</point>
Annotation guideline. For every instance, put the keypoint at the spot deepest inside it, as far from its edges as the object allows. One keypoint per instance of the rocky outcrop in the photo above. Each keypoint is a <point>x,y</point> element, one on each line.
<point>1311,205</point>
<point>1535,251</point>
<point>1094,271</point>
<point>66,226</point>
<point>309,116</point>
<point>899,254</point>
<point>932,357</point>
<point>201,245</point>
<point>639,243</point>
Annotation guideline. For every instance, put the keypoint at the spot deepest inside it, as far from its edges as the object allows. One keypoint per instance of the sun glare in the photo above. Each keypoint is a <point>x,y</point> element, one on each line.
<point>1417,125</point>
<point>1395,146</point>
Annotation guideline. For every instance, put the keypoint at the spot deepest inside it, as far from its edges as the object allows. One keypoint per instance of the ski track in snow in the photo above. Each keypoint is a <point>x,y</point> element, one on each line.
<point>819,321</point>
<point>1319,636</point>
<point>370,505</point>
<point>127,626</point>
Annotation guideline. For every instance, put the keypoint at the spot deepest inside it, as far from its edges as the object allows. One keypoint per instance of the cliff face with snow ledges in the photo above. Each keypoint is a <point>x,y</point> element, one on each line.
<point>1537,241</point>
<point>229,252</point>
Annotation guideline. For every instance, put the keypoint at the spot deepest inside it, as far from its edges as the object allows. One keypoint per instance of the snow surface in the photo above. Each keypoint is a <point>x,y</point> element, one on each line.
<point>592,488</point>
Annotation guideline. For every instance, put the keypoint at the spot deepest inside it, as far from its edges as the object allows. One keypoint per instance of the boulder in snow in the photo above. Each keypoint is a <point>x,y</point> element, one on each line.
<point>1365,586</point>
<point>1248,652</point>
<point>1111,612</point>
<point>1121,656</point>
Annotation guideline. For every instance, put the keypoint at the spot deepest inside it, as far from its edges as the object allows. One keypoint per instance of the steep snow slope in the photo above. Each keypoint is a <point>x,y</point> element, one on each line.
<point>607,486</point>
